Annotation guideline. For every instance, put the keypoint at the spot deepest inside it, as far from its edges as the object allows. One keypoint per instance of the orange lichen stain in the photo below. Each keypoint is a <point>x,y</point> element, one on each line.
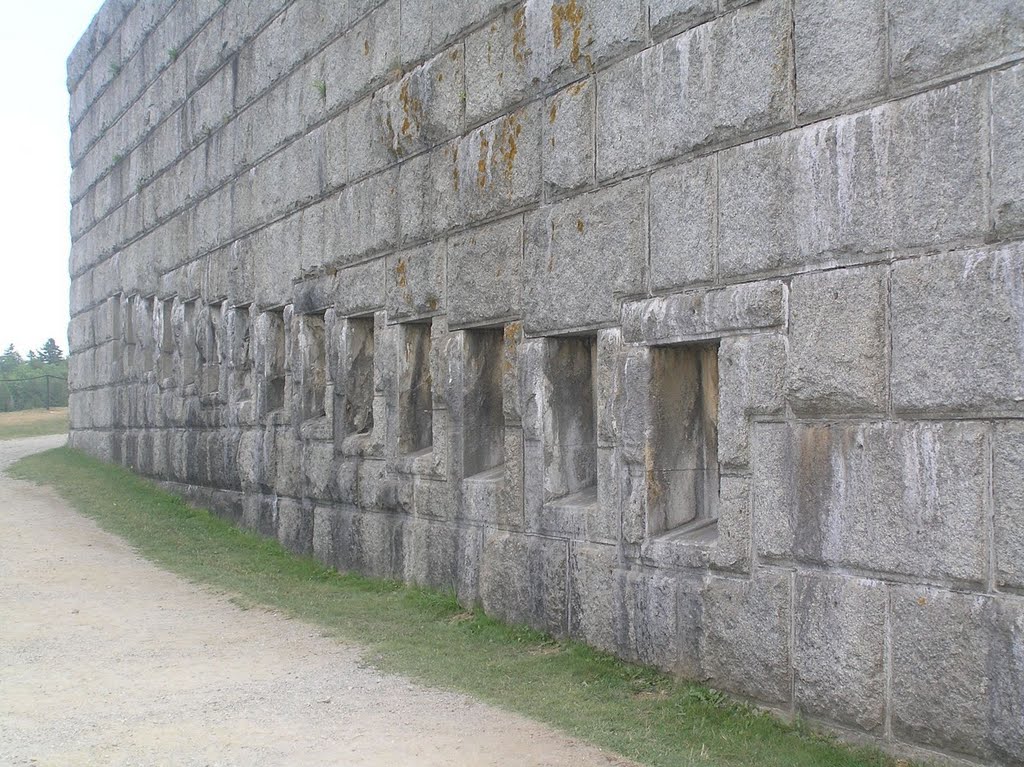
<point>412,109</point>
<point>579,225</point>
<point>366,47</point>
<point>432,304</point>
<point>570,15</point>
<point>481,164</point>
<point>454,55</point>
<point>511,338</point>
<point>400,272</point>
<point>654,488</point>
<point>579,87</point>
<point>519,35</point>
<point>553,112</point>
<point>922,601</point>
<point>453,154</point>
<point>506,144</point>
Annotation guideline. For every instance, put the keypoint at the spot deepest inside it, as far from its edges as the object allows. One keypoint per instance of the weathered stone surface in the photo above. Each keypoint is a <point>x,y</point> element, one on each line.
<point>485,273</point>
<point>1008,495</point>
<point>852,185</point>
<point>888,497</point>
<point>946,37</point>
<point>840,54</point>
<point>745,643</point>
<point>683,225</point>
<point>359,289</point>
<point>839,660</point>
<point>690,328</point>
<point>1007,153</point>
<point>669,613</point>
<point>581,255</point>
<point>958,331</point>
<point>592,605</point>
<point>705,314</point>
<point>668,16</point>
<point>570,38</point>
<point>1006,665</point>
<point>522,580</point>
<point>940,667</point>
<point>568,147</point>
<point>421,109</point>
<point>416,282</point>
<point>295,526</point>
<point>751,382</point>
<point>496,61</point>
<point>838,338</point>
<point>623,117</point>
<point>496,168</point>
<point>721,80</point>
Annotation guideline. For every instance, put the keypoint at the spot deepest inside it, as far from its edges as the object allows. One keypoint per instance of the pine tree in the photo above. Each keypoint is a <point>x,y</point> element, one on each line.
<point>10,359</point>
<point>50,353</point>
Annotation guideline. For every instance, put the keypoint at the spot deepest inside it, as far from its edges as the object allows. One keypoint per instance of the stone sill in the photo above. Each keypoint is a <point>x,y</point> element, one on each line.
<point>361,445</point>
<point>689,546</point>
<point>570,515</point>
<point>580,501</point>
<point>420,463</point>
<point>494,476</point>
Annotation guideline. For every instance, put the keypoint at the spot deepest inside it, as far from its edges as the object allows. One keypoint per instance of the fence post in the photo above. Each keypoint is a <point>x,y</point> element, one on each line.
<point>47,393</point>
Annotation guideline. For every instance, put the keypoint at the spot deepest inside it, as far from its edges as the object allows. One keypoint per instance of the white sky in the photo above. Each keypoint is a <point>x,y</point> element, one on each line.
<point>35,41</point>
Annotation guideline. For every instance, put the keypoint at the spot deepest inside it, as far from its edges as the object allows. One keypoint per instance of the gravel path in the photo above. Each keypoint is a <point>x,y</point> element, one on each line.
<point>107,660</point>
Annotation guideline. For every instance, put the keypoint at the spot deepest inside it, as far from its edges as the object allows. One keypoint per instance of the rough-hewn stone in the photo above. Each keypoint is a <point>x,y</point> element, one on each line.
<point>581,255</point>
<point>1008,495</point>
<point>840,54</point>
<point>946,37</point>
<point>683,225</point>
<point>887,496</point>
<point>745,645</point>
<point>958,331</point>
<point>689,328</point>
<point>838,338</point>
<point>1007,153</point>
<point>840,649</point>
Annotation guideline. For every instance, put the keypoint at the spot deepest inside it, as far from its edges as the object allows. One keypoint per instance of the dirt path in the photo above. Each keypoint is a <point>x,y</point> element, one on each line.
<point>107,660</point>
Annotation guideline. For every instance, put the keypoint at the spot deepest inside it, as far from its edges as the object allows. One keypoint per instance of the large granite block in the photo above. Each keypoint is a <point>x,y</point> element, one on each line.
<point>907,498</point>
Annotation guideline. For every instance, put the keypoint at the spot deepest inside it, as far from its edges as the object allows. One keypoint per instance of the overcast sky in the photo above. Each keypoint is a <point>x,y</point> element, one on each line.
<point>35,40</point>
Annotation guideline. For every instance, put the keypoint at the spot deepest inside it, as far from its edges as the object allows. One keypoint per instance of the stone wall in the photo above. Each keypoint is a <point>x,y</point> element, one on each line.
<point>690,328</point>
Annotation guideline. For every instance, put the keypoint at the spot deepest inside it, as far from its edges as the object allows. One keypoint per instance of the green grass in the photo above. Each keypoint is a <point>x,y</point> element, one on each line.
<point>33,423</point>
<point>634,711</point>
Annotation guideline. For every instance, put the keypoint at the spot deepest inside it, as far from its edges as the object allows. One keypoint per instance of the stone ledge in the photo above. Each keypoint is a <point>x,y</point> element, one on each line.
<point>705,314</point>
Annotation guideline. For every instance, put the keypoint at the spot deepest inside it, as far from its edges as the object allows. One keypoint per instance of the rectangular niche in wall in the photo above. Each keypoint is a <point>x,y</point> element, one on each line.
<point>148,338</point>
<point>274,362</point>
<point>240,336</point>
<point>570,419</point>
<point>357,396</point>
<point>166,338</point>
<point>211,350</point>
<point>483,410</point>
<point>313,347</point>
<point>416,405</point>
<point>683,478</point>
<point>189,346</point>
<point>129,338</point>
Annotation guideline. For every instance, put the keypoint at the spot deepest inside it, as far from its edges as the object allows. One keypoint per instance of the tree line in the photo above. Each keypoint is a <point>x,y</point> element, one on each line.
<point>39,379</point>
